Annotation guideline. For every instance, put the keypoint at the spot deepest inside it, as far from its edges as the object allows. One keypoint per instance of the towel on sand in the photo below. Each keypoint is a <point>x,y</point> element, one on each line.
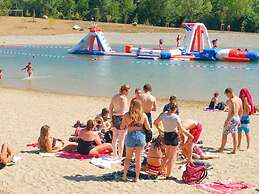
<point>104,162</point>
<point>224,187</point>
<point>76,155</point>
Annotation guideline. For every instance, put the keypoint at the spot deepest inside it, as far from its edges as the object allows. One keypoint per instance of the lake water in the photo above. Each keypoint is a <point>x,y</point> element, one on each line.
<point>57,71</point>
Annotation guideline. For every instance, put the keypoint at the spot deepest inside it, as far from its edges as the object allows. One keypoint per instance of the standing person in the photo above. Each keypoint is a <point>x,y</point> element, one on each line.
<point>161,44</point>
<point>214,43</point>
<point>138,93</point>
<point>228,28</point>
<point>1,74</point>
<point>28,68</point>
<point>172,101</point>
<point>118,107</point>
<point>148,102</point>
<point>178,39</point>
<point>232,122</point>
<point>248,109</point>
<point>172,131</point>
<point>136,121</point>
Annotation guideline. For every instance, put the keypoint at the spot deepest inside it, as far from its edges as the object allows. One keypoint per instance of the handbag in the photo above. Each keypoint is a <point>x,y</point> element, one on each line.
<point>194,174</point>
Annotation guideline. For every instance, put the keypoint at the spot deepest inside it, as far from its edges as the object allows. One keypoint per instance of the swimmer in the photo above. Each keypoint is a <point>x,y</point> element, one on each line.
<point>28,68</point>
<point>161,44</point>
<point>178,38</point>
<point>214,43</point>
<point>1,74</point>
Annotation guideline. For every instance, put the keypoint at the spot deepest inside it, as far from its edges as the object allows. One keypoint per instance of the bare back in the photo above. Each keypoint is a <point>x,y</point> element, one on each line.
<point>235,107</point>
<point>119,105</point>
<point>148,102</point>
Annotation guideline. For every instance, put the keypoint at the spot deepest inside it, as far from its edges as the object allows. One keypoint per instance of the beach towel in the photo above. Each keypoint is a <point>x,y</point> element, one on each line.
<point>104,162</point>
<point>208,110</point>
<point>33,145</point>
<point>76,155</point>
<point>224,187</point>
<point>244,92</point>
<point>46,154</point>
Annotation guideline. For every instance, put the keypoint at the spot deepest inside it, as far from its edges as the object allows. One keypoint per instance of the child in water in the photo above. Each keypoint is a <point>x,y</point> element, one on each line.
<point>28,68</point>
<point>161,44</point>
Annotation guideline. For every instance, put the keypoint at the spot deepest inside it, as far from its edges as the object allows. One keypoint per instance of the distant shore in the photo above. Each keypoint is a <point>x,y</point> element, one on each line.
<point>17,31</point>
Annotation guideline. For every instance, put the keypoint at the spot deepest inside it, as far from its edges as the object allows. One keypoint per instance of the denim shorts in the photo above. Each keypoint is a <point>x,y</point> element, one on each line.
<point>135,139</point>
<point>116,121</point>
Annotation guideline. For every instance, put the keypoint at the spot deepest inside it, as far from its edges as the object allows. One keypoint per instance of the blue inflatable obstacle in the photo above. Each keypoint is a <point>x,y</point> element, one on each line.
<point>208,54</point>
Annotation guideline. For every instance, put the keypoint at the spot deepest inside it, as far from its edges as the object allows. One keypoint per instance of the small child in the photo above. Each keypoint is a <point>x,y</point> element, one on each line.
<point>214,101</point>
<point>103,126</point>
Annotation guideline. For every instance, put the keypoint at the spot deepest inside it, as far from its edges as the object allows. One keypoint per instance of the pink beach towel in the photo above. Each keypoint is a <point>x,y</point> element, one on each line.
<point>244,92</point>
<point>33,145</point>
<point>76,155</point>
<point>224,187</point>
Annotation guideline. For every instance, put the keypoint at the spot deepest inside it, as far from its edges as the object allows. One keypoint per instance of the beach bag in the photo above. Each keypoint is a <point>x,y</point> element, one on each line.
<point>221,106</point>
<point>194,174</point>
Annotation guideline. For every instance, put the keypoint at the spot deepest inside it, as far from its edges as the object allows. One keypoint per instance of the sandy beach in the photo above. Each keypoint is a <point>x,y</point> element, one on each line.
<point>24,112</point>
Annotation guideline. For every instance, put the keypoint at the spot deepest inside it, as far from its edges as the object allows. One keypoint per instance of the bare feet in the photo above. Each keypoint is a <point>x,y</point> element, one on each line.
<point>124,179</point>
<point>136,180</point>
<point>220,150</point>
<point>233,152</point>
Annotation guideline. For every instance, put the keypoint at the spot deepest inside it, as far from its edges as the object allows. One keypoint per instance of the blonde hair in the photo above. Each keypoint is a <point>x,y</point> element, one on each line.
<point>136,111</point>
<point>44,135</point>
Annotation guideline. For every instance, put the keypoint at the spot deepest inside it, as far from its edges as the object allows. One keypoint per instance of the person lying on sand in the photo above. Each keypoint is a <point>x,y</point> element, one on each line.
<point>90,143</point>
<point>198,154</point>
<point>28,68</point>
<point>235,110</point>
<point>173,129</point>
<point>6,155</point>
<point>47,143</point>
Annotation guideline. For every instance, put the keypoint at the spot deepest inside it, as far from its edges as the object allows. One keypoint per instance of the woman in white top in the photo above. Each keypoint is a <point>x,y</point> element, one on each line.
<point>172,131</point>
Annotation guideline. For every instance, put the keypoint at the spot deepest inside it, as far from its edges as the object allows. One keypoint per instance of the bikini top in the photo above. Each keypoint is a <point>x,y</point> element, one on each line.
<point>134,124</point>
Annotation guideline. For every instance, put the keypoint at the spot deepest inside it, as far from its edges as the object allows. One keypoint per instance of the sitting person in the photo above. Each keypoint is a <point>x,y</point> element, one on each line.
<point>46,143</point>
<point>155,156</point>
<point>78,127</point>
<point>172,101</point>
<point>90,143</point>
<point>103,126</point>
<point>214,101</point>
<point>6,155</point>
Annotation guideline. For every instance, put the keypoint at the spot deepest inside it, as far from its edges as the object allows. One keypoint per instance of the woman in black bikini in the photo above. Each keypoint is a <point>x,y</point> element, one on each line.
<point>90,143</point>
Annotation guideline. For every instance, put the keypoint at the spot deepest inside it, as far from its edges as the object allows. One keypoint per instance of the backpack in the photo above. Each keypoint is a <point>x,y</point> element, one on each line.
<point>221,106</point>
<point>194,174</point>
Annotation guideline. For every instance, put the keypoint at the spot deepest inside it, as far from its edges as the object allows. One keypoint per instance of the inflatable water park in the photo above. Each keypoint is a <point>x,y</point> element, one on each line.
<point>196,46</point>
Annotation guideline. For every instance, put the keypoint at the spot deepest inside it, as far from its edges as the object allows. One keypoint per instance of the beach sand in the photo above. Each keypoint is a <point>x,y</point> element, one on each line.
<point>24,112</point>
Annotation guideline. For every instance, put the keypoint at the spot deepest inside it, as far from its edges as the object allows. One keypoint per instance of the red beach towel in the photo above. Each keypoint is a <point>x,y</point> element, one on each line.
<point>244,92</point>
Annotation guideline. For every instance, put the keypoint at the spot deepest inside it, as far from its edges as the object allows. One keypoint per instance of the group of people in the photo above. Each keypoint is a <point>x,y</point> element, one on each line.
<point>124,129</point>
<point>28,69</point>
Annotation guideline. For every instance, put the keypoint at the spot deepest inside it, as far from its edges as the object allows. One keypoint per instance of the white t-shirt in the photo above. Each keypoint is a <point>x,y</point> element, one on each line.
<point>170,122</point>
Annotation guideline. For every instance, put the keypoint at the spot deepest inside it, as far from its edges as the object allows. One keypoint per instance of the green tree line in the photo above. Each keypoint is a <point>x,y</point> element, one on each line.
<point>242,15</point>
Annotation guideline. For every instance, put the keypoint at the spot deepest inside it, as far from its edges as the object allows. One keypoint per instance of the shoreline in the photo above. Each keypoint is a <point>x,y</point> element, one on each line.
<point>185,102</point>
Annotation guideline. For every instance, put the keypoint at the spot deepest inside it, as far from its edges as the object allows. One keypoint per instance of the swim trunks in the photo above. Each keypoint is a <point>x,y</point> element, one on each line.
<point>116,121</point>
<point>232,126</point>
<point>149,117</point>
<point>245,120</point>
<point>196,132</point>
